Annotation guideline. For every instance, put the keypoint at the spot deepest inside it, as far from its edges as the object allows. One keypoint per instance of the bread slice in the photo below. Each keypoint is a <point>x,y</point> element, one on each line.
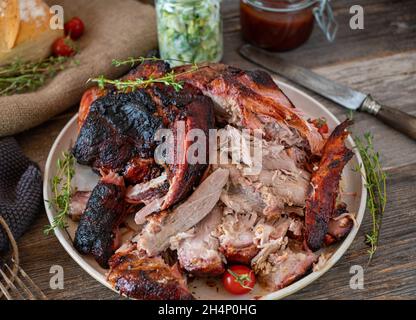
<point>33,38</point>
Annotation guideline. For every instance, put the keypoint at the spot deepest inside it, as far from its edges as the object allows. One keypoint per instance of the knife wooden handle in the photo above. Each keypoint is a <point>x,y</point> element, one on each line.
<point>394,118</point>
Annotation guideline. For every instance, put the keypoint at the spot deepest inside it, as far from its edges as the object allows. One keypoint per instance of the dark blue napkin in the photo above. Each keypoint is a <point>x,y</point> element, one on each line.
<point>20,190</point>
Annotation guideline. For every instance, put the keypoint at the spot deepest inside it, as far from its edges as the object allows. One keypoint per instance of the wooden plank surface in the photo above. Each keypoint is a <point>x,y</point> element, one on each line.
<point>380,60</point>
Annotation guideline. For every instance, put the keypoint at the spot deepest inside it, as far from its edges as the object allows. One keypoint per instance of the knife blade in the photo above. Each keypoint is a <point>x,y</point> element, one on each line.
<point>338,93</point>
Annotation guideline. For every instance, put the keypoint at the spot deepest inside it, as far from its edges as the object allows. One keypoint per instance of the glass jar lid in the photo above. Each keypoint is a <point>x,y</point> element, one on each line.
<point>282,5</point>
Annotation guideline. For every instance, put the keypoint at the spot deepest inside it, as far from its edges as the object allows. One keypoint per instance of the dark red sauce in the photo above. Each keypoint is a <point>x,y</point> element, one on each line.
<point>275,31</point>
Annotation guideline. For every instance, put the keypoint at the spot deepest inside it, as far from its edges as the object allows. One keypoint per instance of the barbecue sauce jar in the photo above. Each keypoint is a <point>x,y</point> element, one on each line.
<point>282,25</point>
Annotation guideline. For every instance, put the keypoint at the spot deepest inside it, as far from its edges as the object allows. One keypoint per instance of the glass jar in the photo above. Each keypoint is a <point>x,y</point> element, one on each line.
<point>189,30</point>
<point>281,25</point>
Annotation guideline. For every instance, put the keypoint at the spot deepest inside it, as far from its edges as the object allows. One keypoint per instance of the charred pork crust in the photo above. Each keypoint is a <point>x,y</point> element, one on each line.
<point>118,128</point>
<point>261,78</point>
<point>147,278</point>
<point>250,95</point>
<point>118,133</point>
<point>104,212</point>
<point>320,203</point>
<point>147,69</point>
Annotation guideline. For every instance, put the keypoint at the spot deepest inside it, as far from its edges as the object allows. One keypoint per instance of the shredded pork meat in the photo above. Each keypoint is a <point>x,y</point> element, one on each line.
<point>284,267</point>
<point>236,236</point>
<point>244,211</point>
<point>198,249</point>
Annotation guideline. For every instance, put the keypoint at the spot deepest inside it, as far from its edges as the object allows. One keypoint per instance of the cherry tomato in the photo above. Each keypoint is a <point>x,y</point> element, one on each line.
<point>74,28</point>
<point>239,279</point>
<point>321,124</point>
<point>63,47</point>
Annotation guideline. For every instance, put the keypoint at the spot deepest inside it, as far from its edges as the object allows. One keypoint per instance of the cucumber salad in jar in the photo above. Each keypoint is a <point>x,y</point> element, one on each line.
<point>189,30</point>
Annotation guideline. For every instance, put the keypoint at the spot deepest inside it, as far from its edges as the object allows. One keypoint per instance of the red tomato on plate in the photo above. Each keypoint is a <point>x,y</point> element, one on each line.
<point>239,279</point>
<point>321,124</point>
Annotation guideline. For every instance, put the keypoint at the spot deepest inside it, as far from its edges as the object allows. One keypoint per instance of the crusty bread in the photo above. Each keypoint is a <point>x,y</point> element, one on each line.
<point>9,23</point>
<point>25,32</point>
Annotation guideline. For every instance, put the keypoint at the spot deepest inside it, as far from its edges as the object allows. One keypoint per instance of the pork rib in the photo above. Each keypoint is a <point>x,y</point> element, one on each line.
<point>320,203</point>
<point>104,212</point>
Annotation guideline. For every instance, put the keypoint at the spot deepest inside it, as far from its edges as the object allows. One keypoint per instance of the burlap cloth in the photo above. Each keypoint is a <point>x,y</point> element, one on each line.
<point>114,29</point>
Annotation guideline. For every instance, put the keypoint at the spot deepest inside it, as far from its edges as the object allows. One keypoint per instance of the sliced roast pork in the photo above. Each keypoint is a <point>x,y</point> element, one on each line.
<point>156,234</point>
<point>198,249</point>
<point>151,193</point>
<point>267,193</point>
<point>284,267</point>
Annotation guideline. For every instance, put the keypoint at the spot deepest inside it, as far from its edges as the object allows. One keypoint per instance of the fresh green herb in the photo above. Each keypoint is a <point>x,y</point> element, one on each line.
<point>168,79</point>
<point>62,191</point>
<point>320,122</point>
<point>135,61</point>
<point>19,77</point>
<point>241,278</point>
<point>375,182</point>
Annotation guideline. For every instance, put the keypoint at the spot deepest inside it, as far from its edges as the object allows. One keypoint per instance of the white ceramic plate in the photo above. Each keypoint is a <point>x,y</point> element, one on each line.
<point>352,182</point>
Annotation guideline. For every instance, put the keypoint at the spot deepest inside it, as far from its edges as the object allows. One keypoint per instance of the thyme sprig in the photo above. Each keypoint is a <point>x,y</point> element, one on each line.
<point>375,183</point>
<point>123,85</point>
<point>62,191</point>
<point>135,61</point>
<point>19,77</point>
<point>169,79</point>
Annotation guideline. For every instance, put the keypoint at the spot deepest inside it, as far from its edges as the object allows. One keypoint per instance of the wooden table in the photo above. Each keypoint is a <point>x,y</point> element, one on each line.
<point>381,59</point>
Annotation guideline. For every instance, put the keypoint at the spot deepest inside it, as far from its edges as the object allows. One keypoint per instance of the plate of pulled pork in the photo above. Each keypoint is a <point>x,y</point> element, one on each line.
<point>266,202</point>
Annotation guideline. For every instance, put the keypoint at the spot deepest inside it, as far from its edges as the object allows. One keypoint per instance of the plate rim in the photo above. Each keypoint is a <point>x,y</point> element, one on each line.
<point>276,295</point>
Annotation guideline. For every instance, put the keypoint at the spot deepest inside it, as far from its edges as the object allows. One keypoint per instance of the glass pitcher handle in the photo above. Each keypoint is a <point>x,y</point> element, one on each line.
<point>325,19</point>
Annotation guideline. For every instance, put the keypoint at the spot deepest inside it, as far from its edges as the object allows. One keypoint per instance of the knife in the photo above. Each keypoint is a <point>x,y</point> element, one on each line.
<point>338,93</point>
